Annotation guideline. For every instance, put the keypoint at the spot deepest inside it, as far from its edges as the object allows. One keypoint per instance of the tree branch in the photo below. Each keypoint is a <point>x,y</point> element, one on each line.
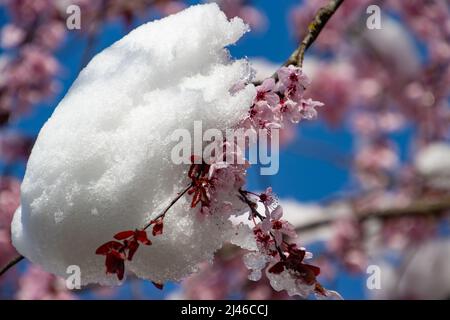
<point>314,28</point>
<point>11,264</point>
<point>163,213</point>
<point>421,207</point>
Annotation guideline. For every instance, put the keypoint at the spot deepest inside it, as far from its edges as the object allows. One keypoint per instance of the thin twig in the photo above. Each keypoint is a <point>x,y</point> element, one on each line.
<point>315,27</point>
<point>243,195</point>
<point>11,264</point>
<point>163,213</point>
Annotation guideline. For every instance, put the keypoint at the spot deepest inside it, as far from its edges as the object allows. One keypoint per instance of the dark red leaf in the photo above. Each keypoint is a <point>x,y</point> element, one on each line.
<point>296,253</point>
<point>132,248</point>
<point>120,271</point>
<point>105,248</point>
<point>319,289</point>
<point>198,160</point>
<point>314,269</point>
<point>277,268</point>
<point>160,286</point>
<point>193,169</point>
<point>308,272</point>
<point>115,263</point>
<point>196,198</point>
<point>124,235</point>
<point>158,228</point>
<point>205,197</point>
<point>141,236</point>
<point>110,263</point>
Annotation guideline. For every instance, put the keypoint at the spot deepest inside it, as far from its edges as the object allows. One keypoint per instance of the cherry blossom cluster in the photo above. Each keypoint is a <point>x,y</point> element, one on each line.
<point>284,262</point>
<point>30,40</point>
<point>209,181</point>
<point>280,102</point>
<point>276,102</point>
<point>9,200</point>
<point>37,284</point>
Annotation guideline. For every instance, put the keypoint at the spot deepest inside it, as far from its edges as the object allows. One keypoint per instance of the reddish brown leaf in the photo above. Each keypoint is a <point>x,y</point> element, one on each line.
<point>158,228</point>
<point>141,236</point>
<point>132,248</point>
<point>294,250</point>
<point>107,247</point>
<point>115,263</point>
<point>196,199</point>
<point>314,269</point>
<point>205,197</point>
<point>124,235</point>
<point>319,289</point>
<point>277,268</point>
<point>120,271</point>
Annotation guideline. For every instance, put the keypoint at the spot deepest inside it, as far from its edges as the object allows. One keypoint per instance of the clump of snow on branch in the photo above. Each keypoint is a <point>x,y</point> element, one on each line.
<point>429,163</point>
<point>101,164</point>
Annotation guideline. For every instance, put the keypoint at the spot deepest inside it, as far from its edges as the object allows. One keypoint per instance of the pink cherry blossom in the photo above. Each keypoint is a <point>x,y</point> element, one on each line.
<point>292,82</point>
<point>37,284</point>
<point>265,92</point>
<point>273,223</point>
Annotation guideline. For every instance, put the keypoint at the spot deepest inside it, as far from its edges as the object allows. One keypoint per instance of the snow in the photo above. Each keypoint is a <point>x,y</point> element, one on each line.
<point>255,261</point>
<point>433,163</point>
<point>288,281</point>
<point>101,164</point>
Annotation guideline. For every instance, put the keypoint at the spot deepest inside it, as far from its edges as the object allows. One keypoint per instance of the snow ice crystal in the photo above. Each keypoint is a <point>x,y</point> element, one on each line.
<point>101,164</point>
<point>287,281</point>
<point>255,261</point>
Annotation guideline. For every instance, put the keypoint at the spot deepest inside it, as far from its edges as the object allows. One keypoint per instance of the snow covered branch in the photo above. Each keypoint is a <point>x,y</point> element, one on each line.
<point>422,207</point>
